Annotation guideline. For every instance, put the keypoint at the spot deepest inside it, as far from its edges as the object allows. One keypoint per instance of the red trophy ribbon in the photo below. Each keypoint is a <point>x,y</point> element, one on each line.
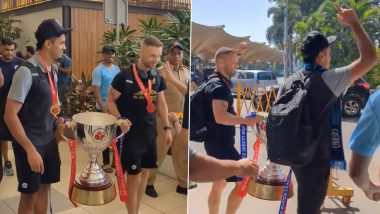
<point>146,92</point>
<point>73,151</point>
<point>122,185</point>
<point>244,184</point>
<point>54,109</point>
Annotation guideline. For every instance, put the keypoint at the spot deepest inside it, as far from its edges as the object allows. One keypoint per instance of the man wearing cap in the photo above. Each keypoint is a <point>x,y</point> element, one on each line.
<point>325,109</point>
<point>176,78</point>
<point>30,115</point>
<point>8,65</point>
<point>102,77</point>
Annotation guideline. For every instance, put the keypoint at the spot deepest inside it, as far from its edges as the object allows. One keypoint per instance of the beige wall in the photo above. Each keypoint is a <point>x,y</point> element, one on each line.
<point>30,23</point>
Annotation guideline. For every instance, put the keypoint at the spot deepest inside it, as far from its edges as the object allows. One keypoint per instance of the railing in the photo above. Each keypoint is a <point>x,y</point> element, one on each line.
<point>163,4</point>
<point>8,5</point>
<point>254,98</point>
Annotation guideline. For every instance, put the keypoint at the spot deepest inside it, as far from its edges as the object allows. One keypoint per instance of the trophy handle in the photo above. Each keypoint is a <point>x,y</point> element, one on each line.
<point>68,123</point>
<point>121,120</point>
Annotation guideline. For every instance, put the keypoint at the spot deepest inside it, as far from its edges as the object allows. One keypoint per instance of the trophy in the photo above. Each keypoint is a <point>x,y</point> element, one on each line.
<point>271,181</point>
<point>94,132</point>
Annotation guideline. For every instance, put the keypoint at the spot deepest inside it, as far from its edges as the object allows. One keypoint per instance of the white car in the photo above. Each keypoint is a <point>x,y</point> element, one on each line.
<point>253,77</point>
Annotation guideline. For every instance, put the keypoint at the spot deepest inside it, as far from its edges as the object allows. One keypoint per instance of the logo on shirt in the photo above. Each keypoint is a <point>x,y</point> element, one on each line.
<point>134,167</point>
<point>140,96</point>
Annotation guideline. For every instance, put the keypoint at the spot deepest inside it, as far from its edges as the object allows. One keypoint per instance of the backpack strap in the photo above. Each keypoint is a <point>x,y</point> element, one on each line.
<point>33,69</point>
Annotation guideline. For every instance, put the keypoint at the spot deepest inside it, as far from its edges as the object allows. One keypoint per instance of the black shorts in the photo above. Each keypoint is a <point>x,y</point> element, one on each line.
<point>139,153</point>
<point>28,181</point>
<point>223,151</point>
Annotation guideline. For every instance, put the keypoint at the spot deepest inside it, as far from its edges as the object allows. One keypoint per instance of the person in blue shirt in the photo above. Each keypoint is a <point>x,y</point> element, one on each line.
<point>64,75</point>
<point>364,141</point>
<point>8,66</point>
<point>102,77</point>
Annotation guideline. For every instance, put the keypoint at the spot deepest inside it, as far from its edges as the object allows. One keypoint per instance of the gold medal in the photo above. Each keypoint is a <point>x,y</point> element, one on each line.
<point>55,110</point>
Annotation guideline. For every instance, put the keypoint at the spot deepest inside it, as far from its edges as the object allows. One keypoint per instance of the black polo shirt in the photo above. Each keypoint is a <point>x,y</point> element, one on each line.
<point>132,104</point>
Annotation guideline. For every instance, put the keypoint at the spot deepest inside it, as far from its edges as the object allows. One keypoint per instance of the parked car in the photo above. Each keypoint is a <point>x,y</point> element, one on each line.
<point>355,98</point>
<point>252,78</point>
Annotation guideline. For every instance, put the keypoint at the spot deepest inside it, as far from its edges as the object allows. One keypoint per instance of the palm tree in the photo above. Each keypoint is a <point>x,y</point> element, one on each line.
<point>324,20</point>
<point>176,27</point>
<point>297,10</point>
<point>179,30</point>
<point>126,48</point>
<point>344,50</point>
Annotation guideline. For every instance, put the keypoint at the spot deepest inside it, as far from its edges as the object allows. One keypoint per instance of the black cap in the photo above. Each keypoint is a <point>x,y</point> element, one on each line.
<point>175,44</point>
<point>50,28</point>
<point>313,43</point>
<point>108,48</point>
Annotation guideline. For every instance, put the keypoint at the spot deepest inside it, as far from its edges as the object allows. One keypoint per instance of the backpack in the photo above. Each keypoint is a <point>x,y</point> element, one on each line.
<point>291,137</point>
<point>199,118</point>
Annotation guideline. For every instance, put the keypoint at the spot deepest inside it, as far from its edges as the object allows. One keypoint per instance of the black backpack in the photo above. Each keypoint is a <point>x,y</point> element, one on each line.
<point>199,118</point>
<point>290,131</point>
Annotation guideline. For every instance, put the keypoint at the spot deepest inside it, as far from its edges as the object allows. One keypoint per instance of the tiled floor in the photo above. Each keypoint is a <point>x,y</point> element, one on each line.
<point>169,201</point>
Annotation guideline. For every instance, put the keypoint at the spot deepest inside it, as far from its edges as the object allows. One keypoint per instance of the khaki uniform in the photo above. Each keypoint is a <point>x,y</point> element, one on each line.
<point>175,101</point>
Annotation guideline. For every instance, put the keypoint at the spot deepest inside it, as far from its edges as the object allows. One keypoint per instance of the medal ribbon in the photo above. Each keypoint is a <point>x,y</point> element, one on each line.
<point>285,194</point>
<point>150,107</point>
<point>122,185</point>
<point>73,151</point>
<point>243,152</point>
<point>53,91</point>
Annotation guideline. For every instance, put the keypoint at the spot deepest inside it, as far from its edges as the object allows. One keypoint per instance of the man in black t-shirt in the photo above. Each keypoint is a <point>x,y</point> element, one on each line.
<point>136,94</point>
<point>220,139</point>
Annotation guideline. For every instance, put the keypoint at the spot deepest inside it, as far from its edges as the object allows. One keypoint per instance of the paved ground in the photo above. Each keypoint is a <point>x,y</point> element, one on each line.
<point>359,203</point>
<point>168,201</point>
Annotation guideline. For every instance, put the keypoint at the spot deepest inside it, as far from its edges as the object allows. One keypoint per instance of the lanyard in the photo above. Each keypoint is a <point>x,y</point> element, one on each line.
<point>146,92</point>
<point>54,109</point>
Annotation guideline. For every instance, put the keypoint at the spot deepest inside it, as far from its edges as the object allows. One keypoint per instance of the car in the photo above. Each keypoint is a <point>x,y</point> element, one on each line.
<point>355,98</point>
<point>252,78</point>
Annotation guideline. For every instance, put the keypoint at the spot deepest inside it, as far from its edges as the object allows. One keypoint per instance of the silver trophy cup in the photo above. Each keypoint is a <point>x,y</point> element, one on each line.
<point>94,132</point>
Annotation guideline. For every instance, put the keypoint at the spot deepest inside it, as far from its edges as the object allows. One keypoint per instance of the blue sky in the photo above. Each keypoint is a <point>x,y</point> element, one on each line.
<point>240,17</point>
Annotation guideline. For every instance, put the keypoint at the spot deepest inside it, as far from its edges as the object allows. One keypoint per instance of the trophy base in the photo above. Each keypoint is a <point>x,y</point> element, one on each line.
<point>94,194</point>
<point>271,191</point>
